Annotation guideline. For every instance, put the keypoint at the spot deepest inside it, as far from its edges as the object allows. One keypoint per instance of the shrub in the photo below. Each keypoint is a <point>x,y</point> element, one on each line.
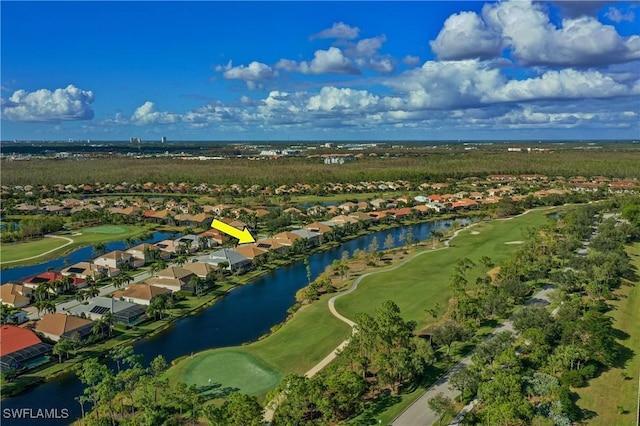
<point>572,378</point>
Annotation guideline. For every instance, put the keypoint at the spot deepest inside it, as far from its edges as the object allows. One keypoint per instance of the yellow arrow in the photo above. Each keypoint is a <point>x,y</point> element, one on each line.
<point>243,236</point>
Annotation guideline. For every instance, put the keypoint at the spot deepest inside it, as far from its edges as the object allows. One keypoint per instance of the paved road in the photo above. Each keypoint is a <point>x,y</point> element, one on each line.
<point>64,306</point>
<point>419,413</point>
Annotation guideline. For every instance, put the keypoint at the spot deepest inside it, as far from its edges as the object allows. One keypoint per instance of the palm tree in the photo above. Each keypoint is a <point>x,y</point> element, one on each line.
<point>93,291</point>
<point>99,248</point>
<point>181,259</point>
<point>158,265</point>
<point>108,319</point>
<point>81,296</point>
<point>63,347</point>
<point>197,283</point>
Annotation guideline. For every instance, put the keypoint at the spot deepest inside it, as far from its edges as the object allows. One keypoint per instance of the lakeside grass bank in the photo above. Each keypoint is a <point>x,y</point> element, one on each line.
<point>310,334</point>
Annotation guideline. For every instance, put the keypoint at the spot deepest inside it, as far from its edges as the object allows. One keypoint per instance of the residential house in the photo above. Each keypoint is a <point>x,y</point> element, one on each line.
<point>318,227</point>
<point>89,270</point>
<point>15,295</point>
<point>62,326</point>
<point>49,277</point>
<point>148,253</point>
<point>200,220</point>
<point>115,258</point>
<point>286,237</point>
<point>190,241</point>
<point>343,219</point>
<point>123,312</point>
<point>141,294</point>
<point>273,244</point>
<point>176,272</point>
<point>250,251</point>
<point>168,246</point>
<point>21,349</point>
<point>235,260</point>
<point>308,234</point>
<point>200,269</point>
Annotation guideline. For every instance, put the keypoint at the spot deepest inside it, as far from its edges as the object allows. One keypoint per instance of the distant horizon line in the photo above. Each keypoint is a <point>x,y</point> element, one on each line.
<point>332,141</point>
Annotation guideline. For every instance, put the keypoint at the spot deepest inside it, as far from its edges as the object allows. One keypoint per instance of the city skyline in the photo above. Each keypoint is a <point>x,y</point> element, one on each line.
<point>320,70</point>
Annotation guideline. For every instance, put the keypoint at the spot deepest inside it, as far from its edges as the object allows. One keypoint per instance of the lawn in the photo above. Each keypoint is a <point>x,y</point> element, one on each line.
<point>313,332</point>
<point>107,230</point>
<point>611,390</point>
<point>87,237</point>
<point>297,346</point>
<point>218,372</point>
<point>14,251</point>
<point>424,281</point>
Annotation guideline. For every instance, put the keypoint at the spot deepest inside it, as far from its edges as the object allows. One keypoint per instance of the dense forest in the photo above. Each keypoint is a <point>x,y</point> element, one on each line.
<point>436,166</point>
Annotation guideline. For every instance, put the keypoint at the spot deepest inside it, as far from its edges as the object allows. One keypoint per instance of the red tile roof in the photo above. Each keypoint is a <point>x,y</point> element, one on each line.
<point>14,338</point>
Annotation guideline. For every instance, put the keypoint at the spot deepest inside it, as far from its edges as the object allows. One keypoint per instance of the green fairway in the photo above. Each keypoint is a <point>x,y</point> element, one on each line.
<point>106,229</point>
<point>81,237</point>
<point>14,251</point>
<point>219,372</point>
<point>611,389</point>
<point>296,347</point>
<point>424,281</point>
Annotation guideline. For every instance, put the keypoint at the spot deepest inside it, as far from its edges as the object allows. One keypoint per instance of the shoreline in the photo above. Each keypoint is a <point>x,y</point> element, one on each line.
<point>243,281</point>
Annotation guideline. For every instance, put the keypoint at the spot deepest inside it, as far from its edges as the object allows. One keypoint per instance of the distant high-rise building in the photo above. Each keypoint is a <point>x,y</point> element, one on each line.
<point>163,139</point>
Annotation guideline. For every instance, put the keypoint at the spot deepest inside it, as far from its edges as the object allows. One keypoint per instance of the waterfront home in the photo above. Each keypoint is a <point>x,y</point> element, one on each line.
<point>200,269</point>
<point>50,277</point>
<point>235,260</point>
<point>123,312</point>
<point>191,242</point>
<point>311,236</point>
<point>141,294</point>
<point>89,269</point>
<point>148,253</point>
<point>21,349</point>
<point>250,251</point>
<point>178,273</point>
<point>62,326</point>
<point>116,258</point>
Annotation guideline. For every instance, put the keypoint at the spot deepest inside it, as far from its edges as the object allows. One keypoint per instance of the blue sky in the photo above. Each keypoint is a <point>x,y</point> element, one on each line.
<point>265,70</point>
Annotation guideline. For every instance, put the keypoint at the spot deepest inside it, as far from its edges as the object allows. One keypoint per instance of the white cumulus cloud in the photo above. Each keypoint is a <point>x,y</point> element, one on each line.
<point>616,15</point>
<point>65,104</point>
<point>466,36</point>
<point>148,114</point>
<point>338,30</point>
<point>331,61</point>
<point>526,28</point>
<point>252,74</point>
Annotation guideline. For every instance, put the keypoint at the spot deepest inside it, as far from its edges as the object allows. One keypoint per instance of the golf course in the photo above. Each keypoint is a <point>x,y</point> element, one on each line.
<point>314,332</point>
<point>31,252</point>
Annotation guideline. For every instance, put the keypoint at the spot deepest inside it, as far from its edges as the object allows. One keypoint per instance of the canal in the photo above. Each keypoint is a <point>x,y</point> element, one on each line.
<point>243,315</point>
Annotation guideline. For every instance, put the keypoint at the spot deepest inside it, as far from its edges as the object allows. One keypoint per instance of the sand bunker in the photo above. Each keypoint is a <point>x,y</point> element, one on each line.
<point>514,242</point>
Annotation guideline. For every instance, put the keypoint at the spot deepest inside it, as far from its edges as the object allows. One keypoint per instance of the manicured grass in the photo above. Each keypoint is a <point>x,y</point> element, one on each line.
<point>14,251</point>
<point>240,371</point>
<point>611,390</point>
<point>89,236</point>
<point>297,346</point>
<point>107,229</point>
<point>424,281</point>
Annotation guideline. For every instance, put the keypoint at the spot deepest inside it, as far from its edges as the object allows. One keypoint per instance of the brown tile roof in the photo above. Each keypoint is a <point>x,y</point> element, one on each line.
<point>143,291</point>
<point>59,324</point>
